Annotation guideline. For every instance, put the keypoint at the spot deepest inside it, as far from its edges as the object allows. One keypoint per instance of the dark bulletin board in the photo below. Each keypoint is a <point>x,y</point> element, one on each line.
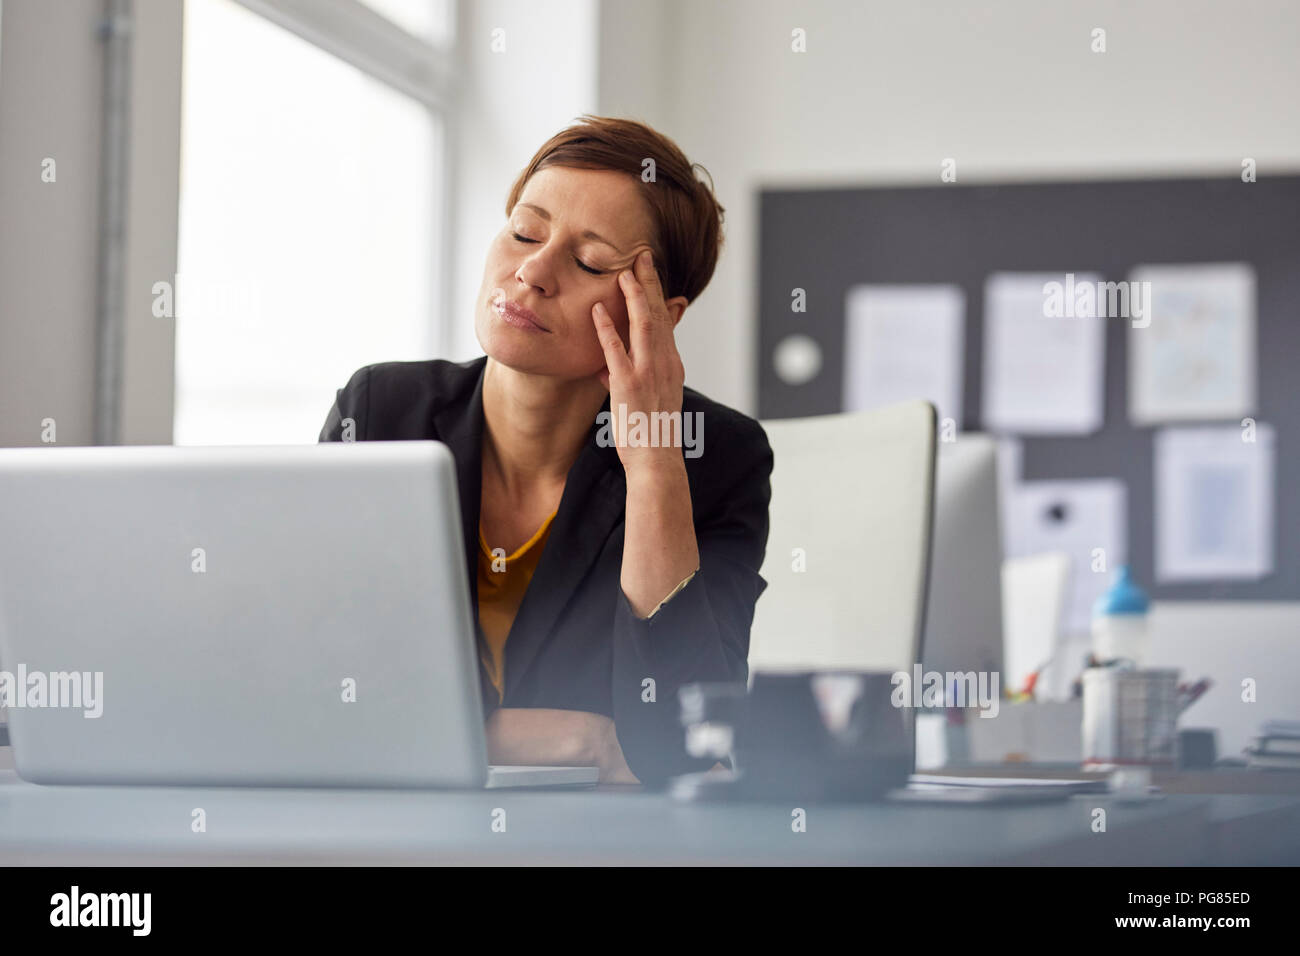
<point>827,240</point>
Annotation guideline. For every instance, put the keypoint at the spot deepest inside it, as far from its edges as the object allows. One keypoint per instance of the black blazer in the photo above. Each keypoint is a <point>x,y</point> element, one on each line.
<point>576,643</point>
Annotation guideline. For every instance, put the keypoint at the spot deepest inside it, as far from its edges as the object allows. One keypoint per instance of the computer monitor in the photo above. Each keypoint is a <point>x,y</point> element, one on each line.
<point>963,616</point>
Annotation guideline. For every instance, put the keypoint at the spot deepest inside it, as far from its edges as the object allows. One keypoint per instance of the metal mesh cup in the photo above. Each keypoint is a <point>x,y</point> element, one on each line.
<point>1130,716</point>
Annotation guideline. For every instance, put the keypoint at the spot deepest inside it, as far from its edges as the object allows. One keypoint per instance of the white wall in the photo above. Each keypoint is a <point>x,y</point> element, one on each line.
<point>51,105</point>
<point>50,72</point>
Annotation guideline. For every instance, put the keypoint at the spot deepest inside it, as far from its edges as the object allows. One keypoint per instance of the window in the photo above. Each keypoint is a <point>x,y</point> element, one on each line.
<point>430,21</point>
<point>310,214</point>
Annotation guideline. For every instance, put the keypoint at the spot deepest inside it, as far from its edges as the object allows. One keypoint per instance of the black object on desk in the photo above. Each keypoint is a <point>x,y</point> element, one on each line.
<point>1196,749</point>
<point>833,736</point>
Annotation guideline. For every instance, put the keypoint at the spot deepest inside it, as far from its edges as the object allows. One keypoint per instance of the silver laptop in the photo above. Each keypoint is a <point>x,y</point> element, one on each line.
<point>268,616</point>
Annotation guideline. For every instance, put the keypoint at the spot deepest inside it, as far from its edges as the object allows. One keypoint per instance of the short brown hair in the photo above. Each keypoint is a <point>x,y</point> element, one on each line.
<point>687,215</point>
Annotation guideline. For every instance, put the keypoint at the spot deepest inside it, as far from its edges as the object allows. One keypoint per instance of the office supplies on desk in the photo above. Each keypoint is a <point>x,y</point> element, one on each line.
<point>1119,620</point>
<point>1276,747</point>
<point>1030,732</point>
<point>1033,601</point>
<point>1130,716</point>
<point>833,736</point>
<point>1093,785</point>
<point>1133,785</point>
<point>1197,748</point>
<point>943,793</point>
<point>1127,784</point>
<point>1189,694</point>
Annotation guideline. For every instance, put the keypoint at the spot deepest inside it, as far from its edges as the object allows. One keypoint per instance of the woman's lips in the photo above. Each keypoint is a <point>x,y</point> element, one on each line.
<point>518,316</point>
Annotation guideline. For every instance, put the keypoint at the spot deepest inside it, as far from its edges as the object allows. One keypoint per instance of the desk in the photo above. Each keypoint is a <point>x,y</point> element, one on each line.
<point>127,825</point>
<point>1217,823</point>
<point>1254,814</point>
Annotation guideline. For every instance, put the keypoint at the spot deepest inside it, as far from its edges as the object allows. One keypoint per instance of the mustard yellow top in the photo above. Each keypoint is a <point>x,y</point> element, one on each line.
<point>500,592</point>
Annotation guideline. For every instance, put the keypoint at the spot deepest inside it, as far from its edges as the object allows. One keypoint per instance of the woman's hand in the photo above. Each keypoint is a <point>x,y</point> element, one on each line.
<point>659,546</point>
<point>544,737</point>
<point>650,377</point>
<point>610,760</point>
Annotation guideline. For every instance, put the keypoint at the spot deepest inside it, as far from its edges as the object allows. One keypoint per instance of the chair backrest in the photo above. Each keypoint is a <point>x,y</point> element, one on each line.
<point>849,546</point>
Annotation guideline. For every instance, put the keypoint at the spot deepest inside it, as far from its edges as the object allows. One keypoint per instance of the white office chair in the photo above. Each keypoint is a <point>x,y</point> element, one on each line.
<point>848,550</point>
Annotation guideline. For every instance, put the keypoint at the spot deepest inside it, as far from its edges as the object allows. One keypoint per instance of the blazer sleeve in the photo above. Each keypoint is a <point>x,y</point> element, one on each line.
<point>702,634</point>
<point>346,421</point>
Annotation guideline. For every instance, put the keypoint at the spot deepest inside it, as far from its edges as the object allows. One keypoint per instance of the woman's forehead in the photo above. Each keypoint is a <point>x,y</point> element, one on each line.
<point>602,200</point>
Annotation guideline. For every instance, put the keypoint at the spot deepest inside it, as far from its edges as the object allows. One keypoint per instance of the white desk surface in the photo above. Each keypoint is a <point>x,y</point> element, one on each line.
<point>129,825</point>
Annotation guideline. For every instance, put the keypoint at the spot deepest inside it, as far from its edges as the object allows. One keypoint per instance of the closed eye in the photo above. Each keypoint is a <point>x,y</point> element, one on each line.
<point>581,265</point>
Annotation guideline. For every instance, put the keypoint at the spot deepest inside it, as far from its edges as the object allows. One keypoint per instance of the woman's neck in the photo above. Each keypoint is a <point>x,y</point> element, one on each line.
<point>535,426</point>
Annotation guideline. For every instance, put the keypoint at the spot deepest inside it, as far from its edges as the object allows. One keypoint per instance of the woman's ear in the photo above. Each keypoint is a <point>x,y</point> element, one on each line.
<point>676,306</point>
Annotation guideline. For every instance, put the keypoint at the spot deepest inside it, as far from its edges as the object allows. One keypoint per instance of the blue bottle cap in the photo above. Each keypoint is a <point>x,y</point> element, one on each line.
<point>1124,597</point>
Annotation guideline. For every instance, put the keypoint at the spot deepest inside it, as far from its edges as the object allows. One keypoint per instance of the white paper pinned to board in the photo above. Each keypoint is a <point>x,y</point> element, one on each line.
<point>1214,502</point>
<point>903,342</point>
<point>1196,359</point>
<point>1043,373</point>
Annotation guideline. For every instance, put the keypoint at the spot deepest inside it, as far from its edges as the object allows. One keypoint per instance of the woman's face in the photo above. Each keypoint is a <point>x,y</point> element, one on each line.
<point>560,253</point>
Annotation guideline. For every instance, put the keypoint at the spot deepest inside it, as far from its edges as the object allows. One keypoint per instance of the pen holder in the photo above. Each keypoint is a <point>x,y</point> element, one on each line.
<point>1130,717</point>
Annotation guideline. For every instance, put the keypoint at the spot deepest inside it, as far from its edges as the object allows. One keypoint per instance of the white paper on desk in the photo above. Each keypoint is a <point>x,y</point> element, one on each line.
<point>903,342</point>
<point>1196,358</point>
<point>1043,374</point>
<point>1214,503</point>
<point>1076,517</point>
<point>1033,602</point>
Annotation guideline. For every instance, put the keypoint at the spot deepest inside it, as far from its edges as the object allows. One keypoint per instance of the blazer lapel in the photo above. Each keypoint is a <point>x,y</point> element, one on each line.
<point>595,495</point>
<point>460,428</point>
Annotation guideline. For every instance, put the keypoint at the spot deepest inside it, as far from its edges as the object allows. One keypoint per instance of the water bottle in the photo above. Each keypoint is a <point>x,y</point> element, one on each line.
<point>1119,621</point>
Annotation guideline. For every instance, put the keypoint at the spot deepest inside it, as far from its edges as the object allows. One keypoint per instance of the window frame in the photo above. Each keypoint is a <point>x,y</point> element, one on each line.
<point>421,70</point>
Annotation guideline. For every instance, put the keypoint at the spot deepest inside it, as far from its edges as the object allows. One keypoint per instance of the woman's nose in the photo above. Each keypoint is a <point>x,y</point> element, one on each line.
<point>537,272</point>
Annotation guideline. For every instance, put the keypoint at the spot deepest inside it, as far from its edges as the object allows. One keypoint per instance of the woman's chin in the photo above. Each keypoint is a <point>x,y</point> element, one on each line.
<point>535,361</point>
<point>520,356</point>
<point>507,345</point>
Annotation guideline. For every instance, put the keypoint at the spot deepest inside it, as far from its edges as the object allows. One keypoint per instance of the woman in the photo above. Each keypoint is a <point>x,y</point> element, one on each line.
<point>615,564</point>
